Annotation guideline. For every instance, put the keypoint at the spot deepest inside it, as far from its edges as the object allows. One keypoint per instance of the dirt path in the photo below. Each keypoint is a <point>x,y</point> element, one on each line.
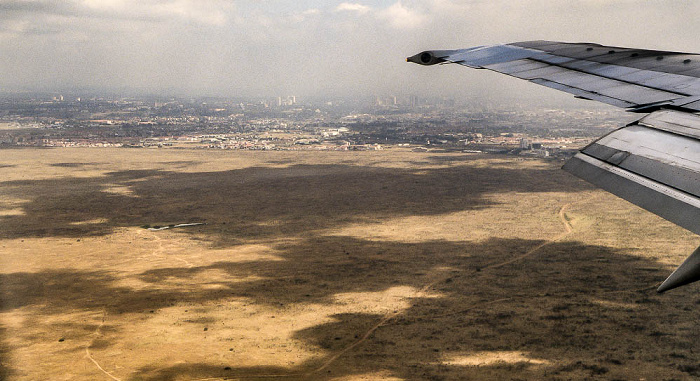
<point>436,278</point>
<point>568,230</point>
<point>160,253</point>
<point>567,226</point>
<point>96,334</point>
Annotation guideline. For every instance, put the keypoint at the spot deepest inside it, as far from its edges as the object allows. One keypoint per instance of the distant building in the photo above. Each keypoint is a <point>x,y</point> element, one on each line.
<point>290,100</point>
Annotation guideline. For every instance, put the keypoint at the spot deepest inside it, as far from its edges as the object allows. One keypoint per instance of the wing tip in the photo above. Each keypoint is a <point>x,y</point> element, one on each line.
<point>688,272</point>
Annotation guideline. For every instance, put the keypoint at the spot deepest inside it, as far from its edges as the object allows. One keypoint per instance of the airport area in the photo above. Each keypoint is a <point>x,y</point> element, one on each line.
<point>353,265</point>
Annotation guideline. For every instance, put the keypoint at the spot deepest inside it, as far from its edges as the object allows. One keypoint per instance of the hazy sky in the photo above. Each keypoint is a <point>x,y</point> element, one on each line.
<point>304,47</point>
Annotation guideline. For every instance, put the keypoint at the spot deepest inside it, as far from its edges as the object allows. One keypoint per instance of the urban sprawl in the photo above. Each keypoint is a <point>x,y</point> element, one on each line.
<point>291,123</point>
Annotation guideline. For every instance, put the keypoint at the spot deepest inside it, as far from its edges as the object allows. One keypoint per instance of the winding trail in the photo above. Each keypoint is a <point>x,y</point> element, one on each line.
<point>158,252</point>
<point>568,230</point>
<point>437,278</point>
<point>96,334</point>
<point>567,226</point>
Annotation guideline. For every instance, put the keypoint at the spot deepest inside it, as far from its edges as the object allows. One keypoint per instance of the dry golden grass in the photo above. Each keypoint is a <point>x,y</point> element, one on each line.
<point>387,265</point>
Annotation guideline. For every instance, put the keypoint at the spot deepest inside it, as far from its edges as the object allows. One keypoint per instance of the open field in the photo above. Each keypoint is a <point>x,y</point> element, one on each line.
<point>333,266</point>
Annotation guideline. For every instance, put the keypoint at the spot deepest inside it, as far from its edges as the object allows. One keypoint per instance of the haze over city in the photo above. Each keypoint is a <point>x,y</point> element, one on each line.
<point>307,48</point>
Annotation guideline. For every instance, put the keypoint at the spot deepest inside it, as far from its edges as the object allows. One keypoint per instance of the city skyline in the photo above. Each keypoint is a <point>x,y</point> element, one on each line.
<point>248,48</point>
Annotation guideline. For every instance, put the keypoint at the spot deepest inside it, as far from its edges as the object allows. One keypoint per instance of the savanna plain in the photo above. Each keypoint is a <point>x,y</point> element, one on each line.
<point>386,265</point>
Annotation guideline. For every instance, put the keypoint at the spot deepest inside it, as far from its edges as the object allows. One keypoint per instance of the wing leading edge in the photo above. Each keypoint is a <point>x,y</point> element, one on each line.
<point>654,162</point>
<point>635,79</point>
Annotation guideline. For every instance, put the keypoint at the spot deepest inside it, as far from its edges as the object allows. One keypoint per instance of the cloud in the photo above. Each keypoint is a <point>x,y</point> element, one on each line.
<point>402,17</point>
<point>37,14</point>
<point>211,12</point>
<point>352,7</point>
<point>312,11</point>
<point>35,6</point>
<point>312,47</point>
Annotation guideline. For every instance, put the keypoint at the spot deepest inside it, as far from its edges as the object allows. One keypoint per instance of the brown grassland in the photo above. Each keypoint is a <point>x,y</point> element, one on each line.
<point>331,266</point>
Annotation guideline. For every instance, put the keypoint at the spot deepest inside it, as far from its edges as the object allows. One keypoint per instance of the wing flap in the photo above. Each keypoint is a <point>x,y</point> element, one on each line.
<point>653,163</point>
<point>667,202</point>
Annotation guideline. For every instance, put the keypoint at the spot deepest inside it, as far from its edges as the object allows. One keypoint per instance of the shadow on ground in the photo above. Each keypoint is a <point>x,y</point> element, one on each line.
<point>259,202</point>
<point>576,311</point>
<point>585,311</point>
<point>5,369</point>
<point>72,165</point>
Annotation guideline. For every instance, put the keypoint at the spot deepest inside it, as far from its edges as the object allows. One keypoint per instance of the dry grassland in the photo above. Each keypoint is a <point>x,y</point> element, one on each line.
<point>348,266</point>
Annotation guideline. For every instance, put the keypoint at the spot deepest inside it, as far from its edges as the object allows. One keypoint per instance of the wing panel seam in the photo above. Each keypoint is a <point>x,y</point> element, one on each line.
<point>613,78</point>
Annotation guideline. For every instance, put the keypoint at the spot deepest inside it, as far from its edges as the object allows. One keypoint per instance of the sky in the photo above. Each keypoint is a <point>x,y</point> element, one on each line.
<point>234,48</point>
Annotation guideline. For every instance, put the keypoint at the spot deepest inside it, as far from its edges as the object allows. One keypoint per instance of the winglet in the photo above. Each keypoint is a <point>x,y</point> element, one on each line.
<point>687,272</point>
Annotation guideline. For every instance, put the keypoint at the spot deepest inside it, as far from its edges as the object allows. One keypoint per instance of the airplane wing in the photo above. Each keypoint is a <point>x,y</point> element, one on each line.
<point>653,162</point>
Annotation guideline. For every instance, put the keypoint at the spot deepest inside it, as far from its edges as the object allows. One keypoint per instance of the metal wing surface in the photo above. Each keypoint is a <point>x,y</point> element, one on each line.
<point>654,162</point>
<point>636,79</point>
